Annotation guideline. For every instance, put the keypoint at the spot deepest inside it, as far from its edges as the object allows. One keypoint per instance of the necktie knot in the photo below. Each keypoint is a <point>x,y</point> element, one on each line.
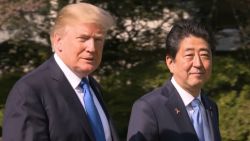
<point>84,82</point>
<point>196,103</point>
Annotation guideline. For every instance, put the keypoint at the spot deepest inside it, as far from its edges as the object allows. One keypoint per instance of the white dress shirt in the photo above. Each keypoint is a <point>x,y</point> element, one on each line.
<point>74,81</point>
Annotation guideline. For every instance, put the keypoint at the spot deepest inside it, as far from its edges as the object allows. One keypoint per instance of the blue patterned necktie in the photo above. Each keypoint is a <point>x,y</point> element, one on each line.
<point>197,119</point>
<point>92,113</point>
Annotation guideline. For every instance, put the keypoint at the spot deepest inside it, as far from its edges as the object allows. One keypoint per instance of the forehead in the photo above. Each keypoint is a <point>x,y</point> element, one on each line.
<point>85,29</point>
<point>193,43</point>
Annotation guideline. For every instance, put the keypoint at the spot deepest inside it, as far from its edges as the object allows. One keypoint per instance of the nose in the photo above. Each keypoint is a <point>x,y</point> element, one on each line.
<point>197,62</point>
<point>90,45</point>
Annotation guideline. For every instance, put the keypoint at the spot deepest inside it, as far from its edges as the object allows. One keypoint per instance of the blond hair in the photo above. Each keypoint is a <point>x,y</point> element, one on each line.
<point>82,12</point>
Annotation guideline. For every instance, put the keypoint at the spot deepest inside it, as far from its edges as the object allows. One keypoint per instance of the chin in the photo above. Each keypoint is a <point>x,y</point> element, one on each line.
<point>198,84</point>
<point>89,70</point>
<point>85,70</point>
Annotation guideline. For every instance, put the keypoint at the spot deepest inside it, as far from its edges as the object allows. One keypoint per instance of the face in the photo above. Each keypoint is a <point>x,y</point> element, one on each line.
<point>192,65</point>
<point>80,47</point>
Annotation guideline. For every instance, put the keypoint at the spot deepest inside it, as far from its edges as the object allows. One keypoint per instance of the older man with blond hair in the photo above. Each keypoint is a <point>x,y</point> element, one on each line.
<point>59,100</point>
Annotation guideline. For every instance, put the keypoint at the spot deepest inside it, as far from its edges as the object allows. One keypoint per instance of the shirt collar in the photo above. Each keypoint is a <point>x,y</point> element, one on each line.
<point>186,97</point>
<point>73,79</point>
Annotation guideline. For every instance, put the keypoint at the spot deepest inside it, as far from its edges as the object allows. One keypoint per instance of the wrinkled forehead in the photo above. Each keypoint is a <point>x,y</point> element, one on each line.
<point>193,44</point>
<point>85,29</point>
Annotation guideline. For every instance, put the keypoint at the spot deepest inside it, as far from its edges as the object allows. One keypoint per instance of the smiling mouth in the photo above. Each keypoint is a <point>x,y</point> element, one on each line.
<point>197,73</point>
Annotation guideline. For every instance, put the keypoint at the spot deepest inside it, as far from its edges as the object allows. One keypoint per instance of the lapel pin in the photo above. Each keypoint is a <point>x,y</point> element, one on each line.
<point>177,111</point>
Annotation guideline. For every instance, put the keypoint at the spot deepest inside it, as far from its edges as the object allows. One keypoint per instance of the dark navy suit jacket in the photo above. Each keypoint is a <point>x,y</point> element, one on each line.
<point>162,116</point>
<point>42,106</point>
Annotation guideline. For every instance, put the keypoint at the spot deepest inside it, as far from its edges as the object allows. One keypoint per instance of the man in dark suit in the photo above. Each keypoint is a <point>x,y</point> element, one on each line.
<point>179,110</point>
<point>49,104</point>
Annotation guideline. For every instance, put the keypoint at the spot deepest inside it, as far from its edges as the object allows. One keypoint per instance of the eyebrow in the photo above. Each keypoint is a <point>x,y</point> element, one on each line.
<point>189,49</point>
<point>205,49</point>
<point>201,49</point>
<point>89,35</point>
<point>99,35</point>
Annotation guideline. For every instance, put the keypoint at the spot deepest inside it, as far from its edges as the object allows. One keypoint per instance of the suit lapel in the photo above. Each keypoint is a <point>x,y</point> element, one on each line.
<point>96,88</point>
<point>64,88</point>
<point>179,112</point>
<point>210,112</point>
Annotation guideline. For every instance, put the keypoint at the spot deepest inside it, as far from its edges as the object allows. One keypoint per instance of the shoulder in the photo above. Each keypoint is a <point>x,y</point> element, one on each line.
<point>157,96</point>
<point>36,75</point>
<point>33,80</point>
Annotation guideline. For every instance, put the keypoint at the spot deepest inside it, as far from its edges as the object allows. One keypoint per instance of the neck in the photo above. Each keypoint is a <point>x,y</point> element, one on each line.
<point>193,92</point>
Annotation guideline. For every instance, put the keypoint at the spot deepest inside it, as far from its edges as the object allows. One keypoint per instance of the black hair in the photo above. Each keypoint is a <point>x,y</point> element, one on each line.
<point>185,28</point>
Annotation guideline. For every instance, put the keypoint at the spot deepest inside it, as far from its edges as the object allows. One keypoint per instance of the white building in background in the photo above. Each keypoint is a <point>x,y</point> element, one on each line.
<point>228,39</point>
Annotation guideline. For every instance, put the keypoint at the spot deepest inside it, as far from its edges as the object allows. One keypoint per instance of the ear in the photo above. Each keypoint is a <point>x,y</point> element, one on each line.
<point>56,42</point>
<point>170,63</point>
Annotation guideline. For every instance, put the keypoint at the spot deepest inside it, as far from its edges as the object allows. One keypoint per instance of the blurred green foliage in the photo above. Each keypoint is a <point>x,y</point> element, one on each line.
<point>21,57</point>
<point>230,85</point>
